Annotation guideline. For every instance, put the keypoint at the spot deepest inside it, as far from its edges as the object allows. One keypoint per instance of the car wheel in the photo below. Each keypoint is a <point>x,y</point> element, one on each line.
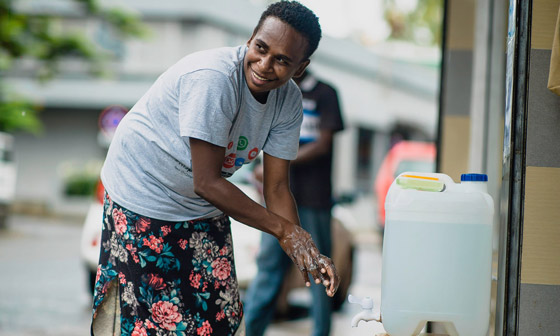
<point>343,258</point>
<point>341,294</point>
<point>91,281</point>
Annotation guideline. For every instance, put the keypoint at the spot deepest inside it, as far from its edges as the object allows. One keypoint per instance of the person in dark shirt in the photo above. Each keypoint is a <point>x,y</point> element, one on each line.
<point>310,182</point>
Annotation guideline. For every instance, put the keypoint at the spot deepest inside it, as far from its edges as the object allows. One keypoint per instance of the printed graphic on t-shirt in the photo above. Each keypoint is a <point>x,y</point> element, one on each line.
<point>237,156</point>
<point>243,143</point>
<point>253,153</point>
<point>229,161</point>
<point>310,124</point>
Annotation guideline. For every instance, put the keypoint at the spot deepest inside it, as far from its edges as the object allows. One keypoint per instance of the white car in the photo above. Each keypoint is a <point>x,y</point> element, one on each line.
<point>91,236</point>
<point>245,244</point>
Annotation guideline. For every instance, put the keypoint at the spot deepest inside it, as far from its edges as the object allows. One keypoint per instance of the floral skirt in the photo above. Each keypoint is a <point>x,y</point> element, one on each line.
<point>165,278</point>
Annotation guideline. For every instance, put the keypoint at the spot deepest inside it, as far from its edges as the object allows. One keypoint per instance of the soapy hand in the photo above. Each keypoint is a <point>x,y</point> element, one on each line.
<point>299,246</point>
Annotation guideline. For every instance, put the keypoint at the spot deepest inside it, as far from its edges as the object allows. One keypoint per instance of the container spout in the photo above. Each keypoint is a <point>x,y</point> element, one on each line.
<point>365,316</point>
<point>367,313</point>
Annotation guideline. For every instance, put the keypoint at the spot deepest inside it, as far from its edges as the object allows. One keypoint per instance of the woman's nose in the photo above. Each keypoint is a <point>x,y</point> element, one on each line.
<point>265,62</point>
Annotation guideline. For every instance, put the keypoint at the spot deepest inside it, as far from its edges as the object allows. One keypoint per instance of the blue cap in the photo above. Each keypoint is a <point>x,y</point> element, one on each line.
<point>474,178</point>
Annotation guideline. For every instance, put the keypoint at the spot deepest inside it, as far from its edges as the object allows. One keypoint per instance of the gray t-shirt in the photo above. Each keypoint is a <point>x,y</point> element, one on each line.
<point>203,96</point>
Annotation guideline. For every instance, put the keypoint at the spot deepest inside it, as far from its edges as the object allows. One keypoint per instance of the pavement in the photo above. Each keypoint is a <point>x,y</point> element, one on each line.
<point>42,280</point>
<point>43,287</point>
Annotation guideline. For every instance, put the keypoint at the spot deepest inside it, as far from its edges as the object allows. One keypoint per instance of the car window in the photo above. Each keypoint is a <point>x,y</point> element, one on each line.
<point>6,155</point>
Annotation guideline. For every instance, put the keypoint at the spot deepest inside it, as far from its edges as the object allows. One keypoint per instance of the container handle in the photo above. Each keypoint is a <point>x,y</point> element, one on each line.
<point>422,183</point>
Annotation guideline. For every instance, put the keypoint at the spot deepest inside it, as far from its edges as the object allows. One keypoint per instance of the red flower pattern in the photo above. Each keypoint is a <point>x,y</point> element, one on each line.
<point>120,221</point>
<point>98,273</point>
<point>223,251</point>
<point>205,329</point>
<point>183,243</point>
<point>149,324</point>
<point>166,314</point>
<point>156,282</point>
<point>154,243</point>
<point>122,278</point>
<point>165,230</point>
<point>142,224</point>
<point>195,279</point>
<point>221,268</point>
<point>139,329</point>
<point>132,251</point>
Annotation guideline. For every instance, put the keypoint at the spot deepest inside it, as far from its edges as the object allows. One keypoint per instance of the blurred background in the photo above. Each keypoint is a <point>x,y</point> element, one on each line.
<point>65,62</point>
<point>452,85</point>
<point>72,68</point>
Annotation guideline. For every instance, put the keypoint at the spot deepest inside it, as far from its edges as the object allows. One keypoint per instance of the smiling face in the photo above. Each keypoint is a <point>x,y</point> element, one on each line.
<point>276,54</point>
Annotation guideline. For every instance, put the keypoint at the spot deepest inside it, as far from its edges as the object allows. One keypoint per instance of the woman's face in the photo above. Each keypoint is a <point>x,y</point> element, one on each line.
<point>276,54</point>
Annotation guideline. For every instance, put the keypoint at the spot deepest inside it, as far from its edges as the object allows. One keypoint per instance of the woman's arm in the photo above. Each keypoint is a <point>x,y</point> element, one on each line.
<point>276,188</point>
<point>279,199</point>
<point>279,218</point>
<point>207,160</point>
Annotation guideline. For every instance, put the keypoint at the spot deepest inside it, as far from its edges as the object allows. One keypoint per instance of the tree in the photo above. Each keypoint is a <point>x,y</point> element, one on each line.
<point>421,25</point>
<point>32,36</point>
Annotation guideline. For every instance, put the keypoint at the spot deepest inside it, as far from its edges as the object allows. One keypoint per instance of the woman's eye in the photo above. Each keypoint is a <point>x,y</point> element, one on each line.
<point>282,61</point>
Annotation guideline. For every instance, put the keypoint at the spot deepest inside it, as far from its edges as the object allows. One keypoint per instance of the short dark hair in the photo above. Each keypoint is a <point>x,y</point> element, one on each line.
<point>301,18</point>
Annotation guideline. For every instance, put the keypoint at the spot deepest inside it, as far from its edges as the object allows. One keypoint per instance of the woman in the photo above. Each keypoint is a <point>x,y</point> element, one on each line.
<point>166,265</point>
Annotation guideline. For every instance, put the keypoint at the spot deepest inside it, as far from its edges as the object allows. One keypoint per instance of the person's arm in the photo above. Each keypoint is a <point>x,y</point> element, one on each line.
<point>279,199</point>
<point>276,188</point>
<point>207,160</point>
<point>313,150</point>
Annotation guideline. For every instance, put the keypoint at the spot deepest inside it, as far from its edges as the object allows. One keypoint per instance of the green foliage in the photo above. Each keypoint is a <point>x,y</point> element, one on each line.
<point>79,178</point>
<point>19,114</point>
<point>25,36</point>
<point>423,25</point>
<point>126,23</point>
<point>80,186</point>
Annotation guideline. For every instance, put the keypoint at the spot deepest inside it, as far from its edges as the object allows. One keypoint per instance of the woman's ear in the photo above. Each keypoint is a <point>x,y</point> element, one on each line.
<point>252,36</point>
<point>301,68</point>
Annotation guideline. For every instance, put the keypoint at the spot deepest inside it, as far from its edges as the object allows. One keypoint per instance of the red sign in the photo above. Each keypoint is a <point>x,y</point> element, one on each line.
<point>110,118</point>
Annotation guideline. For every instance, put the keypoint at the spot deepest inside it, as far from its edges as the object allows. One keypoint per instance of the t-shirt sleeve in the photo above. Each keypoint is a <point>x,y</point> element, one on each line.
<point>331,116</point>
<point>207,106</point>
<point>283,138</point>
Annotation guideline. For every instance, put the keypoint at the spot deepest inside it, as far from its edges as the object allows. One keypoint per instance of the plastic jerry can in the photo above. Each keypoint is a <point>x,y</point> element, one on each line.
<point>437,254</point>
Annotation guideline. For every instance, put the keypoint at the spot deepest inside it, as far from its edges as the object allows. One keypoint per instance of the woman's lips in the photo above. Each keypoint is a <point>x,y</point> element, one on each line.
<point>260,78</point>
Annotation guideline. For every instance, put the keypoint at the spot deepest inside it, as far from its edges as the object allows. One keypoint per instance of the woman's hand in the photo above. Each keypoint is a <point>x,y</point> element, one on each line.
<point>277,219</point>
<point>299,246</point>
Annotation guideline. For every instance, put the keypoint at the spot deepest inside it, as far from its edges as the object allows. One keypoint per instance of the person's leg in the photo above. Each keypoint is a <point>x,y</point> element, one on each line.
<point>260,299</point>
<point>318,223</point>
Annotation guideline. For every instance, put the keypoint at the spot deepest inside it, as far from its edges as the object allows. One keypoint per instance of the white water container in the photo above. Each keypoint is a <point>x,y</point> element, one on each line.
<point>437,254</point>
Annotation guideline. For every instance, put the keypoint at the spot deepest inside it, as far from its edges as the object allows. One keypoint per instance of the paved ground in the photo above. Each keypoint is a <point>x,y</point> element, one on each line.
<point>43,284</point>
